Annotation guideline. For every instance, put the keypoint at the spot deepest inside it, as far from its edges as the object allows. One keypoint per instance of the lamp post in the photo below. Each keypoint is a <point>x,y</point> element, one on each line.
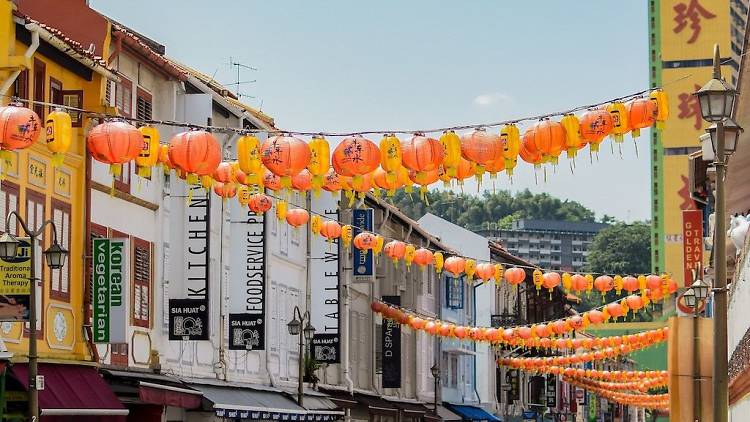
<point>435,369</point>
<point>295,329</point>
<point>716,100</point>
<point>55,257</point>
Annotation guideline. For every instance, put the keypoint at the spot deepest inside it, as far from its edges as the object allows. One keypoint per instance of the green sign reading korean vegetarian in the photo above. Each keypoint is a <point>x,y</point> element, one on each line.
<point>109,284</point>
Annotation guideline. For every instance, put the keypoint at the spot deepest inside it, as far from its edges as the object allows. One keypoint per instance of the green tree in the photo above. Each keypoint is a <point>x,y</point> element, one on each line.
<point>621,249</point>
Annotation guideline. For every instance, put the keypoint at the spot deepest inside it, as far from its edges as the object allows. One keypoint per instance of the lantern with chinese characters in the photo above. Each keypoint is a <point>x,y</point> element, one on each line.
<point>271,181</point>
<point>659,97</point>
<point>20,127</point>
<point>538,279</point>
<point>320,162</point>
<point>510,137</point>
<point>347,234</point>
<point>355,156</point>
<point>422,154</point>
<point>243,195</point>
<point>481,148</point>
<point>390,156</point>
<point>248,157</point>
<point>364,241</point>
<point>642,114</point>
<point>549,139</point>
<point>596,125</point>
<point>196,152</point>
<point>281,210</point>
<point>438,261</point>
<point>223,172</point>
<point>573,141</point>
<point>115,143</point>
<point>302,182</point>
<point>409,253</point>
<point>452,148</point>
<point>395,249</point>
<point>297,217</point>
<point>331,182</point>
<point>59,128</point>
<point>315,223</point>
<point>285,156</point>
<point>149,154</point>
<point>620,120</point>
<point>470,268</point>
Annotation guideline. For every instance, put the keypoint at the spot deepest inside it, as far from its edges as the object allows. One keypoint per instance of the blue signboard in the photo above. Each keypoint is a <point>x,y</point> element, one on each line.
<point>363,265</point>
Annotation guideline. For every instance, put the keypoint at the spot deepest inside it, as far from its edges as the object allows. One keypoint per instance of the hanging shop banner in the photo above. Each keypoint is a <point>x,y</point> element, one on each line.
<point>363,265</point>
<point>188,319</point>
<point>15,284</point>
<point>324,298</point>
<point>109,263</point>
<point>188,316</point>
<point>247,301</point>
<point>692,241</point>
<point>551,391</point>
<point>512,380</point>
<point>391,348</point>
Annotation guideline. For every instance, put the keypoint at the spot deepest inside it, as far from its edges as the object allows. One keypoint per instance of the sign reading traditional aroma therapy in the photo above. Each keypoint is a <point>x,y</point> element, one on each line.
<point>188,317</point>
<point>391,347</point>
<point>324,297</point>
<point>15,286</point>
<point>247,299</point>
<point>110,262</point>
<point>692,239</point>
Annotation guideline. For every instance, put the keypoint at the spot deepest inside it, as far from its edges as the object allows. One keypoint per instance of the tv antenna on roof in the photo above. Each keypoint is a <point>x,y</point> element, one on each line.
<point>239,82</point>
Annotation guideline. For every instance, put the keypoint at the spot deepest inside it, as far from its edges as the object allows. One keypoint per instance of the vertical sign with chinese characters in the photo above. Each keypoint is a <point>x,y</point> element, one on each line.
<point>188,317</point>
<point>363,260</point>
<point>109,321</point>
<point>324,298</point>
<point>551,391</point>
<point>15,286</point>
<point>391,348</point>
<point>247,280</point>
<point>692,243</point>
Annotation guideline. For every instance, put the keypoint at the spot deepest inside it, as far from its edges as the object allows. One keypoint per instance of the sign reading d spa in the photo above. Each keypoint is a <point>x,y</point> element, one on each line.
<point>391,348</point>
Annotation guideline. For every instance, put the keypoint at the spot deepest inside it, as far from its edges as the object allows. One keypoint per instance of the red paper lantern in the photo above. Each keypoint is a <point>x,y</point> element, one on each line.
<point>297,217</point>
<point>195,152</point>
<point>21,127</point>
<point>285,156</point>
<point>259,203</point>
<point>115,143</point>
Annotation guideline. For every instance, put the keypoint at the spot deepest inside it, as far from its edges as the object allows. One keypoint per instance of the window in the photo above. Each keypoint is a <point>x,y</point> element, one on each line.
<point>453,364</point>
<point>109,88</point>
<point>55,91</point>
<point>40,76</point>
<point>124,97</point>
<point>142,275</point>
<point>454,292</point>
<point>122,182</point>
<point>34,218</point>
<point>9,201</point>
<point>143,105</point>
<point>21,85</point>
<point>60,280</point>
<point>73,98</point>
<point>119,354</point>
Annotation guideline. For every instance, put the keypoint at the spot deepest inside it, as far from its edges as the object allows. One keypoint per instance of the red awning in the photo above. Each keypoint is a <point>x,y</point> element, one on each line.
<point>73,390</point>
<point>166,395</point>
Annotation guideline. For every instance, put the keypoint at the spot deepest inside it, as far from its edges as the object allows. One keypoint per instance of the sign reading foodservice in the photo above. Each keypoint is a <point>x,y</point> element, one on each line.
<point>110,283</point>
<point>15,286</point>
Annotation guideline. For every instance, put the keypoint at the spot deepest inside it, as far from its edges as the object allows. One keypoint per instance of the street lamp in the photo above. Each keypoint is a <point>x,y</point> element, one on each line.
<point>435,369</point>
<point>689,298</point>
<point>295,328</point>
<point>55,257</point>
<point>716,100</point>
<point>732,133</point>
<point>700,288</point>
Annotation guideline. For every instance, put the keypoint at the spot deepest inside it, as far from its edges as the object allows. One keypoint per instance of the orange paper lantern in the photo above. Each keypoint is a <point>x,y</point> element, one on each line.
<point>297,217</point>
<point>259,203</point>
<point>21,127</point>
<point>285,156</point>
<point>421,154</point>
<point>196,152</point>
<point>455,265</point>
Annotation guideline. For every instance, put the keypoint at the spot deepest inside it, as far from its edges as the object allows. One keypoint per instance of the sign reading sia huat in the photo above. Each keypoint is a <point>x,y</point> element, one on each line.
<point>109,320</point>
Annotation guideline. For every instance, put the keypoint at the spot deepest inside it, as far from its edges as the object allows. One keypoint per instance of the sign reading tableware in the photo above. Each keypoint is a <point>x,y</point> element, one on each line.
<point>110,261</point>
<point>15,285</point>
<point>324,298</point>
<point>247,301</point>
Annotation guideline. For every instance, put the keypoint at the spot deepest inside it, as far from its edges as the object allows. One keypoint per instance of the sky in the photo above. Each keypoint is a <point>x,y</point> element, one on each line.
<point>344,66</point>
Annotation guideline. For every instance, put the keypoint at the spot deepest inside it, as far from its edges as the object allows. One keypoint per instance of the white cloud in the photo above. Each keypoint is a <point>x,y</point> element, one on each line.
<point>492,98</point>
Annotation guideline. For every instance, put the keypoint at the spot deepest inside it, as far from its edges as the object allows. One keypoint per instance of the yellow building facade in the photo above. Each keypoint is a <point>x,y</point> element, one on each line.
<point>56,71</point>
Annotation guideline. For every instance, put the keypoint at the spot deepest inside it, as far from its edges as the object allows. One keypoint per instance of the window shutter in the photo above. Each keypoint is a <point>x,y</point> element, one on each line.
<point>73,98</point>
<point>143,109</point>
<point>141,283</point>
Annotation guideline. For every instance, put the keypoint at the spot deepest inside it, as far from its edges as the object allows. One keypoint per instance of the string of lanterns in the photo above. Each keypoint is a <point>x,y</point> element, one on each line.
<point>642,386</point>
<point>596,374</point>
<point>643,400</point>
<point>547,335</point>
<point>356,165</point>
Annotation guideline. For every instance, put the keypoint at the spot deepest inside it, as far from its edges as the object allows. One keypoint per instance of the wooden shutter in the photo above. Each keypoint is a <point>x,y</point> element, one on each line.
<point>21,85</point>
<point>124,98</point>
<point>143,105</point>
<point>55,91</point>
<point>9,201</point>
<point>60,280</point>
<point>142,283</point>
<point>40,77</point>
<point>35,215</point>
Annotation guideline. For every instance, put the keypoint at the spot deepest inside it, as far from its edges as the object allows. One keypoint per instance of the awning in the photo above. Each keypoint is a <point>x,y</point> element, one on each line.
<point>409,407</point>
<point>472,413</point>
<point>150,388</point>
<point>341,398</point>
<point>377,405</point>
<point>248,403</point>
<point>447,415</point>
<point>72,390</point>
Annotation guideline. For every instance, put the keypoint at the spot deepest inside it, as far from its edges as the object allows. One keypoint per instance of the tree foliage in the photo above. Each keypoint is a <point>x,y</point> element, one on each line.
<point>621,249</point>
<point>491,209</point>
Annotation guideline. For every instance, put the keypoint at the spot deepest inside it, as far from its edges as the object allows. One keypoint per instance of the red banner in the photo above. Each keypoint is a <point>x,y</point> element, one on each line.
<point>692,243</point>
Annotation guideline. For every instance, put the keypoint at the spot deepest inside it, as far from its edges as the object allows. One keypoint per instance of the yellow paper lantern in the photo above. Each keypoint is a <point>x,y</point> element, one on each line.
<point>281,208</point>
<point>438,260</point>
<point>573,140</point>
<point>243,195</point>
<point>642,284</point>
<point>567,282</point>
<point>470,269</point>
<point>538,279</point>
<point>248,156</point>
<point>620,125</point>
<point>409,252</point>
<point>452,146</point>
<point>390,156</point>
<point>320,162</point>
<point>618,283</point>
<point>149,155</point>
<point>59,132</point>
<point>316,222</point>
<point>511,139</point>
<point>347,233</point>
<point>498,275</point>
<point>377,247</point>
<point>589,283</point>
<point>662,106</point>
